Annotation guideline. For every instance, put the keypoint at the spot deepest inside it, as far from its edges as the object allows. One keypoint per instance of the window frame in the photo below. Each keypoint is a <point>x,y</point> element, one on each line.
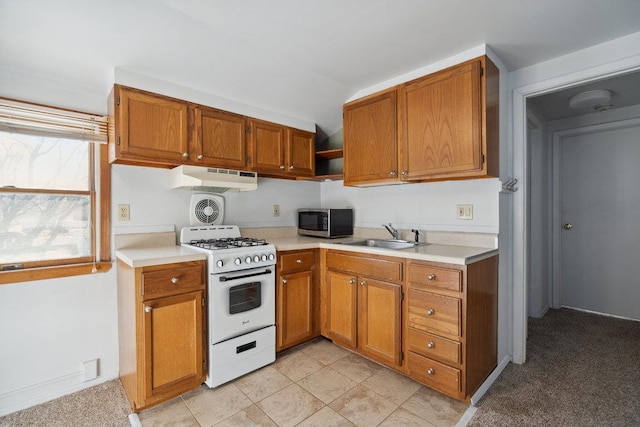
<point>100,198</point>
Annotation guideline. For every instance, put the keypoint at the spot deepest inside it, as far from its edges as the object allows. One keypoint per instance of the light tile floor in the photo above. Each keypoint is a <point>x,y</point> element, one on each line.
<point>315,384</point>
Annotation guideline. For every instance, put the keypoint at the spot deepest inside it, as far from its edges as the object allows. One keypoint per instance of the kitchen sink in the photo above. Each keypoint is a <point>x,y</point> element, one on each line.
<point>380,243</point>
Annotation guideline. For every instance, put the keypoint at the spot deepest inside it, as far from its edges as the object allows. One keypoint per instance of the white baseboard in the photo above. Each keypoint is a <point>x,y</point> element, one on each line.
<point>48,390</point>
<point>490,380</point>
<point>466,417</point>
<point>600,314</point>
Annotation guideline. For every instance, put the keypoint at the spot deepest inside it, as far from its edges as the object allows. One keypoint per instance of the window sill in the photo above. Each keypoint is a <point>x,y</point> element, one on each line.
<point>42,273</point>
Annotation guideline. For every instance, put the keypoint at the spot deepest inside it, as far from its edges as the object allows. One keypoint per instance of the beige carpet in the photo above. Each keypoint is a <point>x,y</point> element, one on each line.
<point>582,370</point>
<point>101,405</point>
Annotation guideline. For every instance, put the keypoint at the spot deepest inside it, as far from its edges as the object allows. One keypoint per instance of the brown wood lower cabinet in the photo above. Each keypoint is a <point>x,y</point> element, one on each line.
<point>364,305</point>
<point>451,325</point>
<point>161,325</point>
<point>296,296</point>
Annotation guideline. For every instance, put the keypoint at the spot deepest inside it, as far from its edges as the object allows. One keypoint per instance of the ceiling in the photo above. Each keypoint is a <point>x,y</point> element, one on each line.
<point>299,58</point>
<point>625,91</point>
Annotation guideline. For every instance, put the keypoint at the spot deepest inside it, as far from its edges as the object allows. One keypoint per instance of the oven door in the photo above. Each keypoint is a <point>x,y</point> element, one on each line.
<point>241,302</point>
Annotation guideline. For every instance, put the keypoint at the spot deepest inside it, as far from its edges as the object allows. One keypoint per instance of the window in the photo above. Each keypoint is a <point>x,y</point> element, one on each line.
<point>54,193</point>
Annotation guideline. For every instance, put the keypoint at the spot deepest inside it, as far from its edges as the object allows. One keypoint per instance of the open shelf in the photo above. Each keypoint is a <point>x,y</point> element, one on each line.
<point>330,154</point>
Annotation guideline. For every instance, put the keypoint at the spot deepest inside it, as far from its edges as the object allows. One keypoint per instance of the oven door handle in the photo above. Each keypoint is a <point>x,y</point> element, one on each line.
<point>225,278</point>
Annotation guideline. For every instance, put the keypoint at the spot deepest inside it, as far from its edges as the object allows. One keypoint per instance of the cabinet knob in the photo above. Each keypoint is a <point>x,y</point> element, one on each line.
<point>290,168</point>
<point>431,277</point>
<point>174,280</point>
<point>185,155</point>
<point>200,156</point>
<point>352,281</point>
<point>147,309</point>
<point>430,312</point>
<point>281,166</point>
<point>363,283</point>
<point>298,261</point>
<point>284,281</point>
<point>431,344</point>
<point>430,371</point>
<point>393,173</point>
<point>405,173</point>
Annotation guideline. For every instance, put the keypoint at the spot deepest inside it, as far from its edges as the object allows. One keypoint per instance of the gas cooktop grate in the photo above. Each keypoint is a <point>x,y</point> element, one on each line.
<point>227,243</point>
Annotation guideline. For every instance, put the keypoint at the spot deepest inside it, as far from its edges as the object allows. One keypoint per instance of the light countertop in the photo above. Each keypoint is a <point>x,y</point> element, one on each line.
<point>449,254</point>
<point>146,256</point>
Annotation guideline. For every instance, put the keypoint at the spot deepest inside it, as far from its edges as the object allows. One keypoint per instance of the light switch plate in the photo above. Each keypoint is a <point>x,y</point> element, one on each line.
<point>464,212</point>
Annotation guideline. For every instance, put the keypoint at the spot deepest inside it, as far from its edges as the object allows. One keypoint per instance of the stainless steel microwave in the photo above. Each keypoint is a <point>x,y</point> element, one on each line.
<point>328,223</point>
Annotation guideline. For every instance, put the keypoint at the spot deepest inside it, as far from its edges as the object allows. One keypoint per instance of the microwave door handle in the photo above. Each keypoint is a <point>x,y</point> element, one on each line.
<point>226,279</point>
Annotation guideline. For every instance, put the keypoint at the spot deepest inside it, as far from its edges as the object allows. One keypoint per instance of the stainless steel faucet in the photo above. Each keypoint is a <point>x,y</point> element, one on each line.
<point>393,231</point>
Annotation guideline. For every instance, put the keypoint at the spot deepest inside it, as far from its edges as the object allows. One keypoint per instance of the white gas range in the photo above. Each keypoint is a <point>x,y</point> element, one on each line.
<point>241,300</point>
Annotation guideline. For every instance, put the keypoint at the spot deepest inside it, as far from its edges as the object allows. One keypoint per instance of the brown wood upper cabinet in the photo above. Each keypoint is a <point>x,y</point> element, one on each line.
<point>441,126</point>
<point>218,138</point>
<point>149,128</point>
<point>277,150</point>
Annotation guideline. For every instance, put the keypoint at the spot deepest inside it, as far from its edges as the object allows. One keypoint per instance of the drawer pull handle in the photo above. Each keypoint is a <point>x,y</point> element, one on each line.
<point>430,312</point>
<point>431,344</point>
<point>299,261</point>
<point>432,277</point>
<point>284,281</point>
<point>174,280</point>
<point>147,309</point>
<point>430,371</point>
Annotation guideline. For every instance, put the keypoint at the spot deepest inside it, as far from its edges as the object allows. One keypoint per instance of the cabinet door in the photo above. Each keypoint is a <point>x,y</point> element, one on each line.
<point>441,118</point>
<point>267,147</point>
<point>342,308</point>
<point>173,340</point>
<point>370,144</point>
<point>150,127</point>
<point>295,309</point>
<point>301,157</point>
<point>218,139</point>
<point>379,320</point>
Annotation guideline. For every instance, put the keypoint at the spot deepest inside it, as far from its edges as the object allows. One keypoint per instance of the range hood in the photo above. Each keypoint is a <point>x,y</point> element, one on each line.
<point>213,180</point>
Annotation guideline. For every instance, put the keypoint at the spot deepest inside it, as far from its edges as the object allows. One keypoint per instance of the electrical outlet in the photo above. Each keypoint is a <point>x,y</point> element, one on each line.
<point>123,213</point>
<point>276,210</point>
<point>464,212</point>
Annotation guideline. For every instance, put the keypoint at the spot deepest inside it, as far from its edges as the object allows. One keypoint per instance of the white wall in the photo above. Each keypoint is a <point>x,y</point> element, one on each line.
<point>427,206</point>
<point>539,202</point>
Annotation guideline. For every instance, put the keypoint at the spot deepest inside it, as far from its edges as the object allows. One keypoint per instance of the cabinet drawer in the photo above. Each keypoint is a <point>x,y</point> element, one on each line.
<point>296,261</point>
<point>379,268</point>
<point>434,346</point>
<point>172,279</point>
<point>434,313</point>
<point>434,277</point>
<point>434,374</point>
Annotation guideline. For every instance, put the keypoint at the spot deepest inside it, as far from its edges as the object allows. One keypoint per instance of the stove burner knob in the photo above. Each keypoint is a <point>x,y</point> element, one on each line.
<point>247,260</point>
<point>272,257</point>
<point>263,257</point>
<point>219,263</point>
<point>256,258</point>
<point>237,261</point>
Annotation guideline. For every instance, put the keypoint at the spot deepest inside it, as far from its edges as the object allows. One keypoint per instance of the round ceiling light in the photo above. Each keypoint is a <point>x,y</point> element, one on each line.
<point>597,98</point>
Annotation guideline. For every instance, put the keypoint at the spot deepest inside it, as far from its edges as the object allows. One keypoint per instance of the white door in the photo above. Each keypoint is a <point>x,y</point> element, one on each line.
<point>600,199</point>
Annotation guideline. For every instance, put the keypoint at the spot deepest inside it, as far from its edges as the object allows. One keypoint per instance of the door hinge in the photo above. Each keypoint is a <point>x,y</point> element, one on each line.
<point>401,356</point>
<point>401,295</point>
<point>482,158</point>
<point>203,302</point>
<point>481,71</point>
<point>118,100</point>
<point>118,140</point>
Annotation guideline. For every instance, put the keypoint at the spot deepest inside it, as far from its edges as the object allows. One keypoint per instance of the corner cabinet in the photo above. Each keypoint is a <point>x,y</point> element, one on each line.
<point>437,127</point>
<point>161,330</point>
<point>280,151</point>
<point>296,298</point>
<point>364,299</point>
